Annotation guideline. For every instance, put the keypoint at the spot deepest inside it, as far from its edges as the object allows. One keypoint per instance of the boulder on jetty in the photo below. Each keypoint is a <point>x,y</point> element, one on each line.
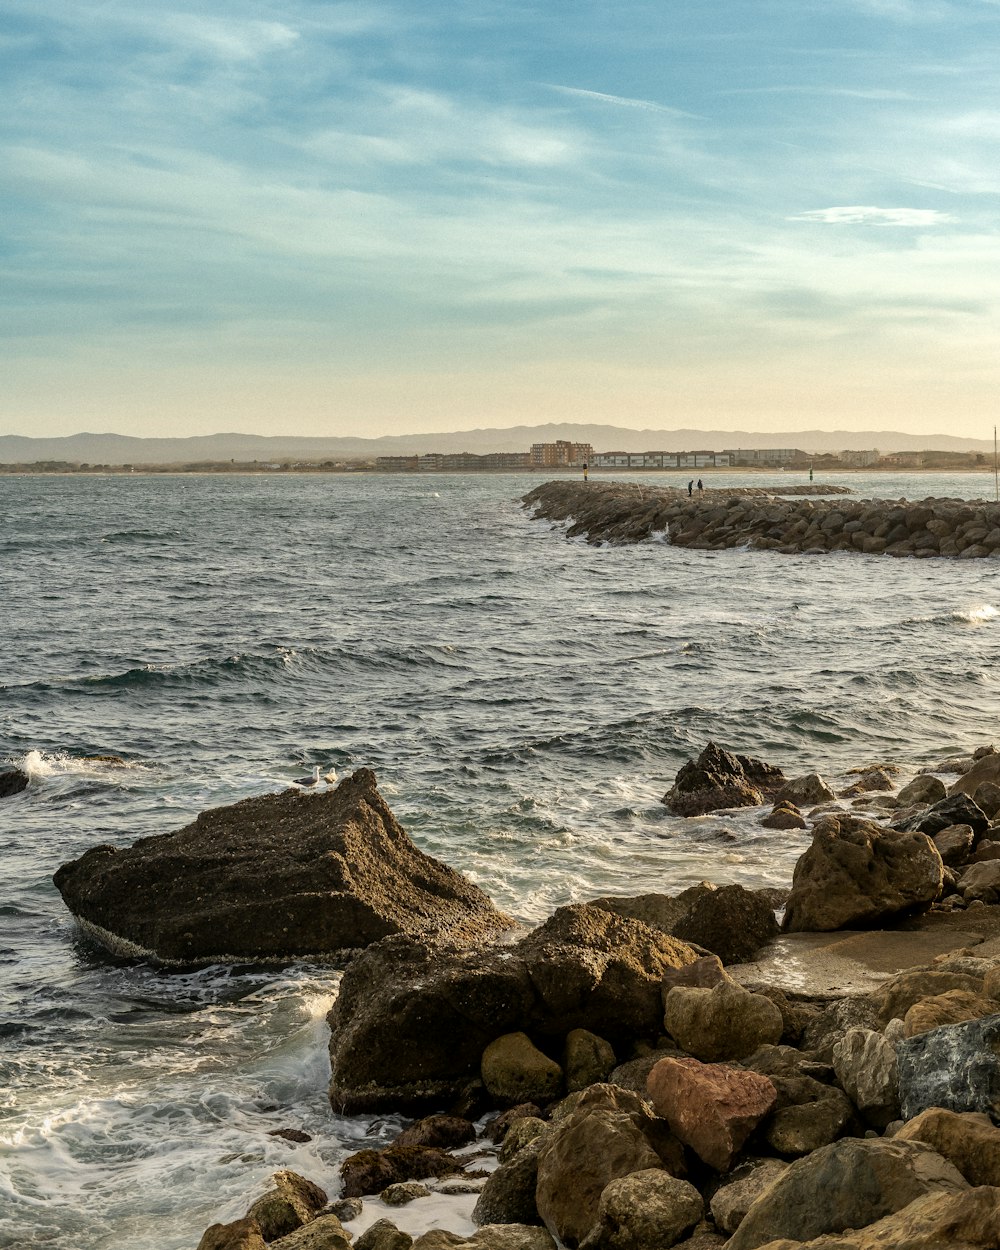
<point>411,1022</point>
<point>768,519</point>
<point>283,876</point>
<point>719,779</point>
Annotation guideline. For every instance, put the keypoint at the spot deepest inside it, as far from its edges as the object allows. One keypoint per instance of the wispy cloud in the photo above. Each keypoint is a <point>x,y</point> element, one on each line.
<point>869,215</point>
<point>621,101</point>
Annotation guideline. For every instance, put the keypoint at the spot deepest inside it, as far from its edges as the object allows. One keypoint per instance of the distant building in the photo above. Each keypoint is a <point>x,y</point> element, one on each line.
<point>660,460</point>
<point>860,459</point>
<point>758,456</point>
<point>560,454</point>
<point>397,464</point>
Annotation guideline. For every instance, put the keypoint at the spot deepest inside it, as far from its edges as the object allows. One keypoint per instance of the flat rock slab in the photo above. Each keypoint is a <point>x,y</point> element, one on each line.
<point>285,876</point>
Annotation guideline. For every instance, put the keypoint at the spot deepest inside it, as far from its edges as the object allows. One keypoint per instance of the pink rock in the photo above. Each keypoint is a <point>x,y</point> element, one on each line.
<point>711,1107</point>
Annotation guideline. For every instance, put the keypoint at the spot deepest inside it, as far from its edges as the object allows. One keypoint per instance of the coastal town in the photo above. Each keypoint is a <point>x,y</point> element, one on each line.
<point>559,456</point>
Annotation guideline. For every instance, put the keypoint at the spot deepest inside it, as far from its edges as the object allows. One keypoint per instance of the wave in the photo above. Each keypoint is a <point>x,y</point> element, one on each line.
<point>142,536</point>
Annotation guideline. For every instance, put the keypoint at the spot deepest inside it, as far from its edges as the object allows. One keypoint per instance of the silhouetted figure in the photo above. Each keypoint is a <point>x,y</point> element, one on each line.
<point>690,488</point>
<point>585,468</point>
<point>700,487</point>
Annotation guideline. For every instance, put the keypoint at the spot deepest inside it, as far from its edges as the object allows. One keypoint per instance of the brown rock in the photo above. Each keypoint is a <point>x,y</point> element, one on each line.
<point>986,768</point>
<point>965,1221</point>
<point>644,1210</point>
<point>291,1202</point>
<point>784,815</point>
<point>859,873</point>
<point>515,1071</point>
<point>719,779</point>
<point>969,1141</point>
<point>898,994</point>
<point>981,881</point>
<point>730,921</point>
<point>954,844</point>
<point>444,1131</point>
<point>587,1059</point>
<point>987,797</point>
<point>849,1184</point>
<point>497,1128</point>
<point>336,869</point>
<point>578,1159</point>
<point>923,789</point>
<point>702,974</point>
<point>383,1235</point>
<point>239,1235</point>
<point>725,1022</point>
<point>712,1108</point>
<point>952,1007</point>
<point>734,1198</point>
<point>325,1232</point>
<point>806,791</point>
<point>371,1171</point>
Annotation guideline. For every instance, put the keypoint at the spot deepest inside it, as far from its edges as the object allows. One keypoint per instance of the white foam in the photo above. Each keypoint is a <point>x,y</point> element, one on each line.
<point>977,615</point>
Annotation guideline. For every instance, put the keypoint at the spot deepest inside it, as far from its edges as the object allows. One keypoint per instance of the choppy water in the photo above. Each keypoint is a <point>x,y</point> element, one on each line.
<point>525,701</point>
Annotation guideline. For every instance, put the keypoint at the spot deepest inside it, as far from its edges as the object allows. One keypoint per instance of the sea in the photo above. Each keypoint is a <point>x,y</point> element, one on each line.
<point>524,699</point>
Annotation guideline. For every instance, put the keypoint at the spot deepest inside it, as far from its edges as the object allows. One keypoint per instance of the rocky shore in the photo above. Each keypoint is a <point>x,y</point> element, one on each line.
<point>810,1069</point>
<point>774,519</point>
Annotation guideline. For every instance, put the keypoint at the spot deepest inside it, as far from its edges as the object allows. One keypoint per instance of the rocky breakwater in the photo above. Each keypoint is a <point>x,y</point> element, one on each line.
<point>620,512</point>
<point>289,875</point>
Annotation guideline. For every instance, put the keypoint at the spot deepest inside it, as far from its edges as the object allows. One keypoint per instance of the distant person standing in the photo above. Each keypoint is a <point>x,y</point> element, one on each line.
<point>700,487</point>
<point>585,468</point>
<point>690,488</point>
<point>810,473</point>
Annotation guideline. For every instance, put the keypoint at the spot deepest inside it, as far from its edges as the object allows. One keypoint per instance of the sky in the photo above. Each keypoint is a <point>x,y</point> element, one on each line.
<point>383,218</point>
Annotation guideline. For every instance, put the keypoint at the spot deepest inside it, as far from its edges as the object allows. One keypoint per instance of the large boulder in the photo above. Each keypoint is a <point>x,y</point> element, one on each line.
<point>897,995</point>
<point>937,1221</point>
<point>956,809</point>
<point>515,1071</point>
<point>720,779</point>
<point>583,1154</point>
<point>970,1141</point>
<point>643,1210</point>
<point>848,1184</point>
<point>865,1063</point>
<point>985,769</point>
<point>508,1197</point>
<point>282,876</point>
<point>713,1108</point>
<point>858,873</point>
<point>411,1021</point>
<point>730,921</point>
<point>737,1194</point>
<point>956,1067</point>
<point>290,1202</point>
<point>806,791</point>
<point>725,1022</point>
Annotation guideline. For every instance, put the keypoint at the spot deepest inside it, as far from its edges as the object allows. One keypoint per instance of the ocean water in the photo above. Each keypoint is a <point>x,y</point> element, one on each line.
<point>524,699</point>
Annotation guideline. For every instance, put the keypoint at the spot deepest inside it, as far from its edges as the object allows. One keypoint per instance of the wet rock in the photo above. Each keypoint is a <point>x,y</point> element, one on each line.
<point>371,1171</point>
<point>956,809</point>
<point>444,1131</point>
<point>822,1033</point>
<point>325,1232</point>
<point>643,1210</point>
<point>520,1133</point>
<point>859,873</point>
<point>848,1184</point>
<point>587,1059</point>
<point>403,1192</point>
<point>411,1021</point>
<point>508,1197</point>
<point>784,815</point>
<point>984,769</point>
<point>807,791</point>
<point>726,1022</point>
<point>923,789</point>
<point>383,1235</point>
<point>713,1108</point>
<point>281,876</point>
<point>239,1235</point>
<point>13,781</point>
<point>956,1067</point>
<point>291,1202</point>
<point>346,1209</point>
<point>869,781</point>
<point>296,1135</point>
<point>719,779</point>
<point>515,1071</point>
<point>497,1128</point>
<point>987,798</point>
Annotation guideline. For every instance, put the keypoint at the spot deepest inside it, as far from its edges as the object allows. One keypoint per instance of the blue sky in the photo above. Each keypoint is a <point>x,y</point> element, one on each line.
<point>323,218</point>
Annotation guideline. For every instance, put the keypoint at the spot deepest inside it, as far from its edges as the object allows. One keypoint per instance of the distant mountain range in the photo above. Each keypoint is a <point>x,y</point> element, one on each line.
<point>123,449</point>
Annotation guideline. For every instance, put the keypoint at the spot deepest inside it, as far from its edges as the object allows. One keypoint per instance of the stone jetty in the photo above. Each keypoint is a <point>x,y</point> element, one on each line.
<point>790,520</point>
